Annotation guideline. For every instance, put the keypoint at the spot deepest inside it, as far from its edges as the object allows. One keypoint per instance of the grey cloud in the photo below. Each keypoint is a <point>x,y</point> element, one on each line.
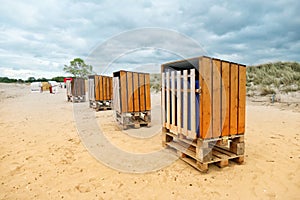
<point>48,34</point>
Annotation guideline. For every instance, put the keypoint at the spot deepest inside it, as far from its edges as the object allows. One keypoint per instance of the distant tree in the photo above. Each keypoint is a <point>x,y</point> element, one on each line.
<point>30,79</point>
<point>58,79</point>
<point>78,68</point>
<point>7,80</point>
<point>42,80</point>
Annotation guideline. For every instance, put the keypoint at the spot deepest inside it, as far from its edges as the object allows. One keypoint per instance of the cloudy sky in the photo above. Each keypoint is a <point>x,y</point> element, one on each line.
<point>38,38</point>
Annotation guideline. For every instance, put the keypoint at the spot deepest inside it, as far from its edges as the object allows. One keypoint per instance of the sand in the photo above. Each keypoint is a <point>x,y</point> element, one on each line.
<point>42,156</point>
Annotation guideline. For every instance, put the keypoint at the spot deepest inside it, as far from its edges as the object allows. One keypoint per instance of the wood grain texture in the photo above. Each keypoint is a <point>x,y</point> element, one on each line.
<point>225,97</point>
<point>216,96</point>
<point>233,98</point>
<point>242,99</point>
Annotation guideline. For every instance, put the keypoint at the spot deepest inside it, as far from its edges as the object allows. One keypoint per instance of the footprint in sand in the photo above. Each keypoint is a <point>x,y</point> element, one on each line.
<point>16,170</point>
<point>83,188</point>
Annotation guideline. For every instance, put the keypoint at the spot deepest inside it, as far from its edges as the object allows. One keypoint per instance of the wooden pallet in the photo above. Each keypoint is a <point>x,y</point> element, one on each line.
<point>100,105</point>
<point>76,99</point>
<point>133,120</point>
<point>202,153</point>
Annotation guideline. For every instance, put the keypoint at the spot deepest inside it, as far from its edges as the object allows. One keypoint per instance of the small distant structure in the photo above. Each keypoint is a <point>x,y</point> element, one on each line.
<point>75,89</point>
<point>53,88</point>
<point>100,90</point>
<point>131,98</point>
<point>36,87</point>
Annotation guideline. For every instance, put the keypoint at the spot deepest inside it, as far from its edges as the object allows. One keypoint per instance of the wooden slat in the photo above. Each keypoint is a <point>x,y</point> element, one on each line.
<point>116,94</point>
<point>111,88</point>
<point>101,96</point>
<point>216,128</point>
<point>107,87</point>
<point>225,98</point>
<point>242,99</point>
<point>123,92</point>
<point>148,94</point>
<point>163,100</point>
<point>130,98</point>
<point>185,101</point>
<point>205,108</point>
<point>233,98</point>
<point>142,92</point>
<point>104,88</point>
<point>173,95</point>
<point>136,98</point>
<point>193,105</point>
<point>179,115</point>
<point>168,97</point>
<point>97,89</point>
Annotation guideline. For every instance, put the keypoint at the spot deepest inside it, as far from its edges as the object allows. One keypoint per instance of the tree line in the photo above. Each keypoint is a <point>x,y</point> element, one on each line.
<point>31,79</point>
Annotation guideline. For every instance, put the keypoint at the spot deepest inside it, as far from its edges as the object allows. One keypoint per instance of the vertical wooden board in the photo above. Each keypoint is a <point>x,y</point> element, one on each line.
<point>104,88</point>
<point>216,102</point>
<point>111,88</point>
<point>242,99</point>
<point>193,104</point>
<point>116,95</point>
<point>233,98</point>
<point>205,109</point>
<point>130,100</point>
<point>185,101</point>
<point>163,99</point>
<point>136,98</point>
<point>148,94</point>
<point>179,117</point>
<point>123,92</point>
<point>101,96</point>
<point>142,92</point>
<point>173,95</point>
<point>107,88</point>
<point>225,98</point>
<point>168,98</point>
<point>97,88</point>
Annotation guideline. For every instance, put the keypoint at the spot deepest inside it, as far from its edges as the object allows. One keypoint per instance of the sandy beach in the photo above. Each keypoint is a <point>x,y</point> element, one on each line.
<point>42,156</point>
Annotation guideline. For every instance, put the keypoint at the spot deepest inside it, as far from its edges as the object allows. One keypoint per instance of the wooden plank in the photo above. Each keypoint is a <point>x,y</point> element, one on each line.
<point>104,88</point>
<point>136,96</point>
<point>142,92</point>
<point>185,101</point>
<point>179,115</point>
<point>148,94</point>
<point>163,99</point>
<point>242,99</point>
<point>216,102</point>
<point>168,97</point>
<point>225,98</point>
<point>111,88</point>
<point>193,105</point>
<point>116,94</point>
<point>107,88</point>
<point>130,98</point>
<point>123,92</point>
<point>101,96</point>
<point>233,98</point>
<point>205,108</point>
<point>173,95</point>
<point>97,89</point>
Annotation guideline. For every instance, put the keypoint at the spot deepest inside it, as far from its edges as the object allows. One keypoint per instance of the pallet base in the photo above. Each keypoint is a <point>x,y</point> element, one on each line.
<point>76,99</point>
<point>202,153</point>
<point>133,120</point>
<point>100,105</point>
